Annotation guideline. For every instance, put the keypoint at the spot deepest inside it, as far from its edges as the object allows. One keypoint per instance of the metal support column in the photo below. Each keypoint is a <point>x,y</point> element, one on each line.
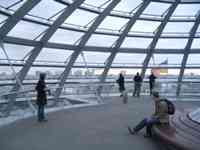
<point>17,16</point>
<point>158,33</point>
<point>120,40</point>
<point>186,53</point>
<point>82,43</point>
<point>50,31</point>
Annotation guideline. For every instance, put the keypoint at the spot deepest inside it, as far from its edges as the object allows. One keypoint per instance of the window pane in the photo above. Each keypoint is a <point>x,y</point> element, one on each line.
<point>51,73</point>
<point>166,59</point>
<point>27,30</point>
<point>127,5</point>
<point>171,43</point>
<point>2,19</point>
<point>15,51</point>
<point>7,3</point>
<point>193,60</point>
<point>145,26</point>
<point>186,10</point>
<point>46,8</point>
<point>124,58</point>
<point>66,36</point>
<point>101,40</point>
<point>93,58</point>
<point>96,3</point>
<point>178,27</point>
<point>153,8</point>
<point>131,42</point>
<point>77,18</point>
<point>48,54</point>
<point>113,23</point>
<point>196,43</point>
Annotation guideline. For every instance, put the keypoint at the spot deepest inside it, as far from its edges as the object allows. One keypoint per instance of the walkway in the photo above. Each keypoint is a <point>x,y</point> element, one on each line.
<point>101,127</point>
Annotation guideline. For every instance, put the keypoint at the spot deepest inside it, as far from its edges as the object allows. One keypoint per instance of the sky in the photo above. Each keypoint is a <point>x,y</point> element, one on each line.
<point>47,8</point>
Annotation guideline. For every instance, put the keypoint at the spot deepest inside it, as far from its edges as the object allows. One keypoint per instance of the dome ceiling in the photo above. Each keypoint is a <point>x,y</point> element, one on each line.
<point>104,34</point>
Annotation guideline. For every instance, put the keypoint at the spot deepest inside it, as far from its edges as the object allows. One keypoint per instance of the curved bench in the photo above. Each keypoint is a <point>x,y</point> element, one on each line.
<point>181,134</point>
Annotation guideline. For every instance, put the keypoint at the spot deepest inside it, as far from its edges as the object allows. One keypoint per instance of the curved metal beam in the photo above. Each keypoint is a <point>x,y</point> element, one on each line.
<point>50,31</point>
<point>82,43</point>
<point>186,53</point>
<point>120,40</point>
<point>17,16</point>
<point>160,29</point>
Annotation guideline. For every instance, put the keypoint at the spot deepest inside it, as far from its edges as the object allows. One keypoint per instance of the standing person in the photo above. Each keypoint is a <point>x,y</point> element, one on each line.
<point>152,78</point>
<point>161,116</point>
<point>120,82</point>
<point>41,97</point>
<point>137,82</point>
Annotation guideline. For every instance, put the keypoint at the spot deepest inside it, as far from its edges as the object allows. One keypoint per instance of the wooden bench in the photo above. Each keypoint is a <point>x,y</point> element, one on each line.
<point>181,134</point>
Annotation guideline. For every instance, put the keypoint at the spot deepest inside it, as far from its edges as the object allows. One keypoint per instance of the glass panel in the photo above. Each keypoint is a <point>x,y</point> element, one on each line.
<point>96,3</point>
<point>193,60</point>
<point>7,3</point>
<point>127,5</point>
<point>178,27</point>
<point>113,23</point>
<point>145,26</point>
<point>132,42</point>
<point>171,43</point>
<point>15,51</point>
<point>46,9</point>
<point>2,19</point>
<point>101,40</point>
<point>129,59</point>
<point>153,8</point>
<point>95,58</point>
<point>77,18</point>
<point>186,10</point>
<point>196,43</point>
<point>53,55</point>
<point>166,60</point>
<point>27,30</point>
<point>128,74</point>
<point>51,73</point>
<point>66,36</point>
<point>7,73</point>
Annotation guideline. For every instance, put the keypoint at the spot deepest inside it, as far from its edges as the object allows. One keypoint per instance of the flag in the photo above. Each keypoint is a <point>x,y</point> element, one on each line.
<point>160,71</point>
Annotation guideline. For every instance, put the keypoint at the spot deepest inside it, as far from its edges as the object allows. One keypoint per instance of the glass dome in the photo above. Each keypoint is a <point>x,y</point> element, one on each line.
<point>92,41</point>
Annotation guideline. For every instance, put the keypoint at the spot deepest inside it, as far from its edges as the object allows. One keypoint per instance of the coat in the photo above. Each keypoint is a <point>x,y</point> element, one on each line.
<point>41,93</point>
<point>120,82</point>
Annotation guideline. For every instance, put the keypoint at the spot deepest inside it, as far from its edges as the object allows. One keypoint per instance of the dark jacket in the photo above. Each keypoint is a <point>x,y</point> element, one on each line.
<point>152,78</point>
<point>120,82</point>
<point>41,93</point>
<point>138,79</point>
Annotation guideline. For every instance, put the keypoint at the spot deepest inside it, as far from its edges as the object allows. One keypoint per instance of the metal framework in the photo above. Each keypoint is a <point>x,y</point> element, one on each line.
<point>152,46</point>
<point>186,53</point>
<point>22,14</point>
<point>35,52</point>
<point>121,39</point>
<point>82,43</point>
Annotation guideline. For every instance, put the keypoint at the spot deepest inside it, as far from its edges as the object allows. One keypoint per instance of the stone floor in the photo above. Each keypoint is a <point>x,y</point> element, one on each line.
<point>90,128</point>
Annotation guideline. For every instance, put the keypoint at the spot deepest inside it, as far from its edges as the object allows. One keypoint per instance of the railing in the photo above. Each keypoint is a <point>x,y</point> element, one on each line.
<point>165,86</point>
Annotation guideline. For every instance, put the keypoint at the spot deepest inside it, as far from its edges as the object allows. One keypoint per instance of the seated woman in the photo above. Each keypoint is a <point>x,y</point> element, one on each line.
<point>160,116</point>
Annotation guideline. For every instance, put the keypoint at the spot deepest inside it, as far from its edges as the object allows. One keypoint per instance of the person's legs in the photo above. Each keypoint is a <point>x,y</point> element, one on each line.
<point>39,114</point>
<point>42,112</point>
<point>150,87</point>
<point>135,89</point>
<point>138,89</point>
<point>149,126</point>
<point>139,126</point>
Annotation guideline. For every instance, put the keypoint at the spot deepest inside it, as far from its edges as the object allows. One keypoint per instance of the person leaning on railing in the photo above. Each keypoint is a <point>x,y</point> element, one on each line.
<point>161,116</point>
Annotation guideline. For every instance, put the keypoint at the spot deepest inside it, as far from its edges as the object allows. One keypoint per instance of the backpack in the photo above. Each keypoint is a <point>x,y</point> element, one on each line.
<point>170,105</point>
